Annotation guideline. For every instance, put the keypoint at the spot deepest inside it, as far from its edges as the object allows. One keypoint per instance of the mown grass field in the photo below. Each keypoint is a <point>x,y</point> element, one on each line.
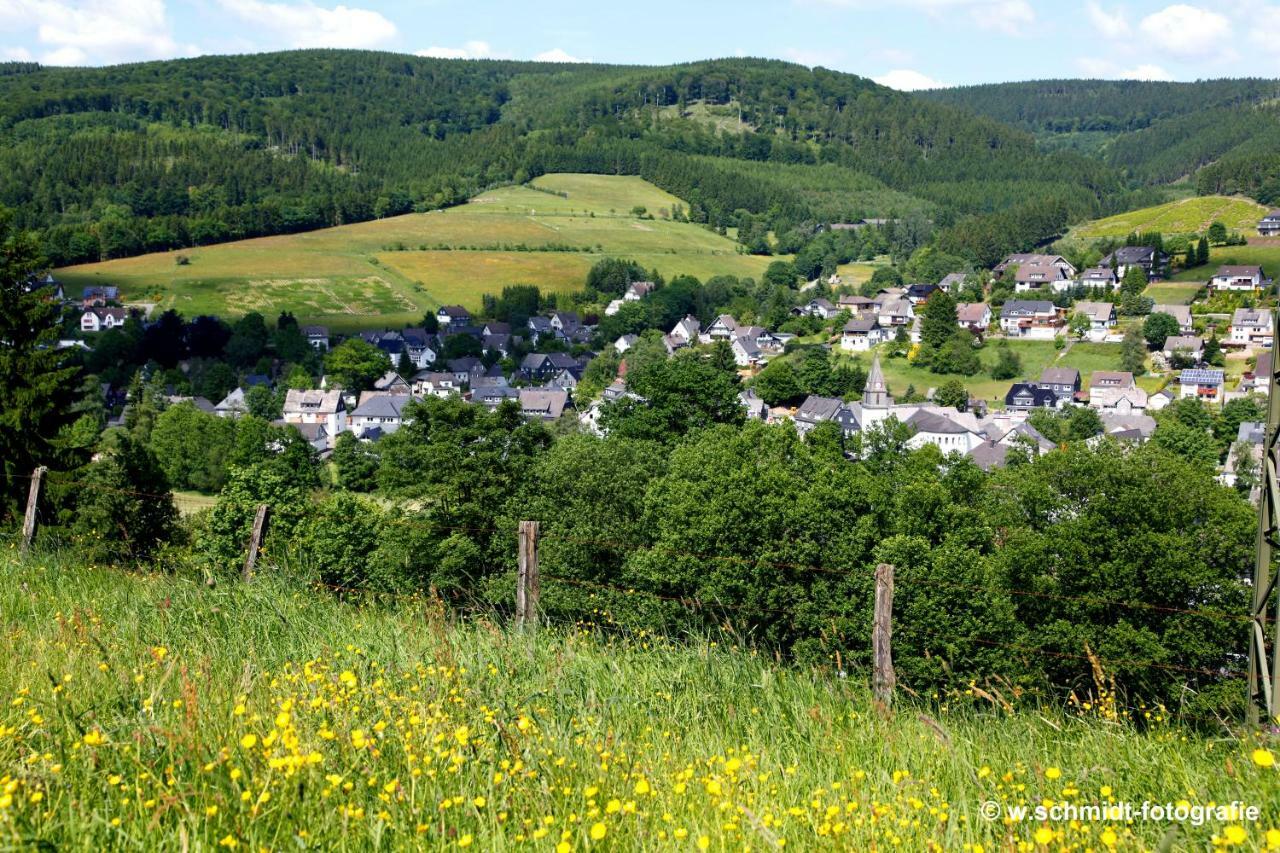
<point>390,271</point>
<point>1185,216</point>
<point>1172,292</point>
<point>149,711</point>
<point>1034,355</point>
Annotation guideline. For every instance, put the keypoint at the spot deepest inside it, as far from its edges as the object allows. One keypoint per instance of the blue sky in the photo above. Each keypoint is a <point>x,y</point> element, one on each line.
<point>906,43</point>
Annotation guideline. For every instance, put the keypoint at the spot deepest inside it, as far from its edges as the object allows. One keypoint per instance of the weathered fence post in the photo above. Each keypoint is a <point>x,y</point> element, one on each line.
<point>883,680</point>
<point>255,542</point>
<point>527,579</point>
<point>33,504</point>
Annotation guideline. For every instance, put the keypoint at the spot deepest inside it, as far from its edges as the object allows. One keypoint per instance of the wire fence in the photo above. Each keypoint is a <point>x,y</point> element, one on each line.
<point>717,609</point>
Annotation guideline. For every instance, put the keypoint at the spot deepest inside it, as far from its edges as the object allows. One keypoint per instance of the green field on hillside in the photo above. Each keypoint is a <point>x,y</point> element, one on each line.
<point>1266,256</point>
<point>1034,355</point>
<point>1172,292</point>
<point>147,711</point>
<point>390,271</point>
<point>1178,217</point>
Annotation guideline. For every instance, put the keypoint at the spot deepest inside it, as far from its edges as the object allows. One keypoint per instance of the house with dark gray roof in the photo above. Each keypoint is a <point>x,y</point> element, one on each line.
<point>816,410</point>
<point>1025,396</point>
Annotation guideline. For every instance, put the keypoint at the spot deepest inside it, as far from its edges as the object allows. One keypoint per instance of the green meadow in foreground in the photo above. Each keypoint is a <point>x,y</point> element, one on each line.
<point>146,711</point>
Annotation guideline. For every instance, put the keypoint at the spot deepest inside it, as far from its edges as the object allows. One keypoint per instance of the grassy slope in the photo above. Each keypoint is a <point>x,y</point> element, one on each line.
<point>1034,355</point>
<point>1178,217</point>
<point>345,276</point>
<point>130,702</point>
<point>1267,255</point>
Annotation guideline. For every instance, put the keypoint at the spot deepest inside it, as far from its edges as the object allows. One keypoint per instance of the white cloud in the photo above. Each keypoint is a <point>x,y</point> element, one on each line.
<point>557,54</point>
<point>812,58</point>
<point>1112,25</point>
<point>1186,31</point>
<point>906,80</point>
<point>1145,72</point>
<point>16,54</point>
<point>305,24</point>
<point>470,50</point>
<point>1106,69</point>
<point>79,32</point>
<point>1011,17</point>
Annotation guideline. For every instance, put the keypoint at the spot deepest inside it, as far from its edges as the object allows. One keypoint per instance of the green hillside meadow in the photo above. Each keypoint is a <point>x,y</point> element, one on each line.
<point>1186,216</point>
<point>147,711</point>
<point>389,271</point>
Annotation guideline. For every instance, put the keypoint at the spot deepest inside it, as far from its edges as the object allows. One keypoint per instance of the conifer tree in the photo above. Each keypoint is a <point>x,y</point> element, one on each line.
<point>37,380</point>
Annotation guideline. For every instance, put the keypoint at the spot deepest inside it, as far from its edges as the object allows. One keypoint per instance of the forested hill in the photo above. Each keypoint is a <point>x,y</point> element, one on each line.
<point>1222,134</point>
<point>116,161</point>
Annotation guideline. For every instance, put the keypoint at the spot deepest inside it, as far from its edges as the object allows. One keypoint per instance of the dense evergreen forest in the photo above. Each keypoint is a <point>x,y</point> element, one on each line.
<point>110,162</point>
<point>1221,135</point>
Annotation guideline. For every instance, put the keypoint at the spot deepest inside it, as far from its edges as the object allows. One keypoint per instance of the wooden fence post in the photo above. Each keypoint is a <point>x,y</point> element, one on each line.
<point>255,542</point>
<point>33,504</point>
<point>527,579</point>
<point>883,680</point>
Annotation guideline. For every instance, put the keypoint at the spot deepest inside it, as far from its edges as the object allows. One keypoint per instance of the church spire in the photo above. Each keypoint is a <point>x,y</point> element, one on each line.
<point>876,393</point>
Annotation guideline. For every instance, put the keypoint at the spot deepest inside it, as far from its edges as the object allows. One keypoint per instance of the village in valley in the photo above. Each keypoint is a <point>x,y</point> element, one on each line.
<point>1213,345</point>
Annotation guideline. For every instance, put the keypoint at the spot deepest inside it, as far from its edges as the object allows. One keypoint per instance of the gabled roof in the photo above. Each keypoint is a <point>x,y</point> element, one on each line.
<point>452,311</point>
<point>1191,343</point>
<point>972,313</point>
<point>1111,379</point>
<point>932,422</point>
<point>988,455</point>
<point>815,408</point>
<point>1060,376</point>
<point>313,402</point>
<point>1038,396</point>
<point>1131,255</point>
<point>1256,317</point>
<point>1229,271</point>
<point>860,325</point>
<point>1200,376</point>
<point>1181,313</point>
<point>1026,308</point>
<point>377,405</point>
<point>543,402</point>
<point>1096,310</point>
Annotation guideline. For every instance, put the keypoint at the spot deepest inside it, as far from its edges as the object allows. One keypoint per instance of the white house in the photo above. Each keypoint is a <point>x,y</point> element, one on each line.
<point>1237,278</point>
<point>378,409</point>
<point>722,328</point>
<point>1104,277</point>
<point>1116,391</point>
<point>1181,313</point>
<point>1038,277</point>
<point>973,315</point>
<point>1250,327</point>
<point>943,432</point>
<point>686,331</point>
<point>1202,383</point>
<point>1031,319</point>
<point>102,319</point>
<point>1101,317</point>
<point>862,333</point>
<point>316,407</point>
<point>451,314</point>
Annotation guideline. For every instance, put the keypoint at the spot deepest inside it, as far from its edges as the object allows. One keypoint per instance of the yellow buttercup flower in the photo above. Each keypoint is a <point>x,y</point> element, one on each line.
<point>1264,758</point>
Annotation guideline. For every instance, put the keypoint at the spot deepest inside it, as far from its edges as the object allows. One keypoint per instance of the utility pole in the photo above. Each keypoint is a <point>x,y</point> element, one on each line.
<point>527,582</point>
<point>1264,671</point>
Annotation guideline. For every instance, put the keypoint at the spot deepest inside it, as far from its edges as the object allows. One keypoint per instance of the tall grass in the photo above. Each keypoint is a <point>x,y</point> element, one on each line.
<point>144,711</point>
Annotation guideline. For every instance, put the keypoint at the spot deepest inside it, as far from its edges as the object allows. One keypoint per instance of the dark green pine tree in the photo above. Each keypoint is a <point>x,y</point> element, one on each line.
<point>37,380</point>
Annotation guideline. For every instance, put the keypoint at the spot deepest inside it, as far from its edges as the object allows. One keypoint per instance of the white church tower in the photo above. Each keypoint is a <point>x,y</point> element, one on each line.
<point>876,402</point>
